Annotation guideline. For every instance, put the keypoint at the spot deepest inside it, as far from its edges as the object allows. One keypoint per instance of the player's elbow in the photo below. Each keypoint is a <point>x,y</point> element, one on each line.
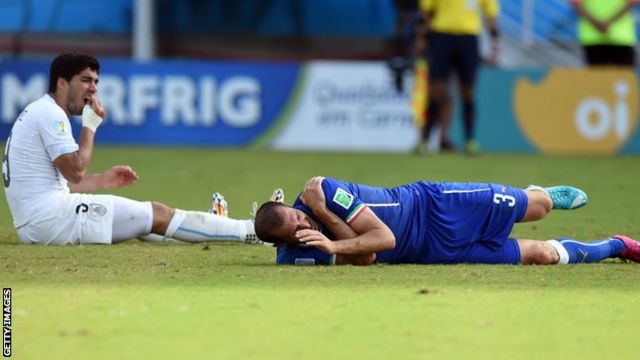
<point>74,176</point>
<point>388,239</point>
<point>72,167</point>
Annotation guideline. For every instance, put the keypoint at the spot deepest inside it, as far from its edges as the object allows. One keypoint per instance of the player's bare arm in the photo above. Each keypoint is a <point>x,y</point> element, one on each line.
<point>113,178</point>
<point>74,166</point>
<point>374,236</point>
<point>313,197</point>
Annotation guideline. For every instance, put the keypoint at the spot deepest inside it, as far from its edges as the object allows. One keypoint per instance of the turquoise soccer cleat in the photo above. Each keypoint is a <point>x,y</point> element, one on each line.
<point>567,197</point>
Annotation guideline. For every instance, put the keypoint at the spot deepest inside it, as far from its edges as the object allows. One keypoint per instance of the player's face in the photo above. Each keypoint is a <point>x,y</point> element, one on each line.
<point>81,88</point>
<point>294,221</point>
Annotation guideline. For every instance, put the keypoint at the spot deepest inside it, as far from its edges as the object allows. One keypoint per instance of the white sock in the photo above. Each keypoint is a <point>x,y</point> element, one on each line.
<point>252,237</point>
<point>562,252</point>
<point>151,237</point>
<point>536,187</point>
<point>196,226</point>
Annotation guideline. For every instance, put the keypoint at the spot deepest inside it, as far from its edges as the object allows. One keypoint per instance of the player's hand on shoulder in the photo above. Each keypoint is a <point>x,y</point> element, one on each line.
<point>316,239</point>
<point>312,194</point>
<point>118,176</point>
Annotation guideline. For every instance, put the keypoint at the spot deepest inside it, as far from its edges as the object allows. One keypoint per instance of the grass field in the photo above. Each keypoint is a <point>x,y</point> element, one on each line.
<point>226,301</point>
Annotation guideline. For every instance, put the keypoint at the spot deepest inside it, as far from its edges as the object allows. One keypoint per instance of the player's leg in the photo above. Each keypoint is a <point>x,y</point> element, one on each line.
<point>482,253</point>
<point>558,251</point>
<point>468,69</point>
<point>131,219</point>
<point>539,204</point>
<point>439,55</point>
<point>468,113</point>
<point>153,221</point>
<point>572,251</point>
<point>569,251</point>
<point>463,215</point>
<point>537,252</point>
<point>196,226</point>
<point>79,219</point>
<point>542,200</point>
<point>439,102</point>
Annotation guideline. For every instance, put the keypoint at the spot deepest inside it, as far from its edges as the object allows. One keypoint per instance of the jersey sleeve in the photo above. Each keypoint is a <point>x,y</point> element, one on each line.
<point>426,5</point>
<point>341,201</point>
<point>57,136</point>
<point>491,8</point>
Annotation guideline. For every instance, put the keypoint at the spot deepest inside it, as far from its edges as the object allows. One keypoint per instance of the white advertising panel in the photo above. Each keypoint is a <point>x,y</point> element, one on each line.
<point>349,106</point>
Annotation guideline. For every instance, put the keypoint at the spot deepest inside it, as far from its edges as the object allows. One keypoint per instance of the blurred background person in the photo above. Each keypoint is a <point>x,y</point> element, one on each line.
<point>448,33</point>
<point>606,30</point>
<point>401,41</point>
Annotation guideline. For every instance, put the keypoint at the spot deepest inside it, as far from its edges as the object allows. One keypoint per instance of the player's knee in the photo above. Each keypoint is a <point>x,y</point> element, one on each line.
<point>539,253</point>
<point>162,215</point>
<point>540,204</point>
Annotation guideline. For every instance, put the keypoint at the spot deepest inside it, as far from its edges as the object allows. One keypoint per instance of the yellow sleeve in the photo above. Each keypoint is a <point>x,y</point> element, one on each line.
<point>426,5</point>
<point>490,8</point>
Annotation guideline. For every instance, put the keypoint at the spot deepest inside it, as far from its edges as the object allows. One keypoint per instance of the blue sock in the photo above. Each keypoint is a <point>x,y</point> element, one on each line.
<point>586,252</point>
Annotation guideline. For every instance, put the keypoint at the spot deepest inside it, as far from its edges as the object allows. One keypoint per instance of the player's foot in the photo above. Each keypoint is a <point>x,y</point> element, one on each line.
<point>219,205</point>
<point>446,145</point>
<point>471,148</point>
<point>567,197</point>
<point>632,248</point>
<point>277,196</point>
<point>421,148</point>
<point>252,239</point>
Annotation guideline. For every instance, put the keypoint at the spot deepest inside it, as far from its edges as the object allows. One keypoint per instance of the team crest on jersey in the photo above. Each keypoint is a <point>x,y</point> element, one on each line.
<point>343,198</point>
<point>97,210</point>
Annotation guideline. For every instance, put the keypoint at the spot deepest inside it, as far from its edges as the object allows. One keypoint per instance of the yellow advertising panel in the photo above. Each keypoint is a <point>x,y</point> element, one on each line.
<point>578,110</point>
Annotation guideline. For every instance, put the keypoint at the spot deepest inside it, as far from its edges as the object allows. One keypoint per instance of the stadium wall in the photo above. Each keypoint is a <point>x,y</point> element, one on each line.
<point>339,106</point>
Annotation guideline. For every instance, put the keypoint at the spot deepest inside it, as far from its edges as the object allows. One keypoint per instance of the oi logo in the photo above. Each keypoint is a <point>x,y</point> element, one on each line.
<point>579,110</point>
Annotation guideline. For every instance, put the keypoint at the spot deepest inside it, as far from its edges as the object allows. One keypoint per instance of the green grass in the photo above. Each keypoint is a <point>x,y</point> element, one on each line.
<point>228,301</point>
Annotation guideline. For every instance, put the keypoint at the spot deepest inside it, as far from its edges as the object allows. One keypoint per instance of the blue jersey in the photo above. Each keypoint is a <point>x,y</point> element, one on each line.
<point>432,222</point>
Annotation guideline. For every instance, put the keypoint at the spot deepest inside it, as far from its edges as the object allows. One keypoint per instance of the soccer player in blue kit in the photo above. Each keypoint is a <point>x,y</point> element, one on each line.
<point>338,222</point>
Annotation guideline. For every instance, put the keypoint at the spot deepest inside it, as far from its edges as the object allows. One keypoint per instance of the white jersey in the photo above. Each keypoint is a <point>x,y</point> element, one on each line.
<point>32,183</point>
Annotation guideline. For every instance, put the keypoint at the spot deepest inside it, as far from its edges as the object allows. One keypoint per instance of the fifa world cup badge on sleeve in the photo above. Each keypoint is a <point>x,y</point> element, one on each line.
<point>6,322</point>
<point>343,198</point>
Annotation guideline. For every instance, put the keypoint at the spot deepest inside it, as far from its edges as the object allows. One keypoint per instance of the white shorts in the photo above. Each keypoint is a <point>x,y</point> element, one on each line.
<point>80,219</point>
<point>89,219</point>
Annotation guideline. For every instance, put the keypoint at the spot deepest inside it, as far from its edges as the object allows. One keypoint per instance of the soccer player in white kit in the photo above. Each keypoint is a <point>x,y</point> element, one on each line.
<point>48,188</point>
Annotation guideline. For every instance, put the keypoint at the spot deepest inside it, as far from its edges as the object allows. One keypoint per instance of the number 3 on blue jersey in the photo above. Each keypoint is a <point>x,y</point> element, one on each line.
<point>502,198</point>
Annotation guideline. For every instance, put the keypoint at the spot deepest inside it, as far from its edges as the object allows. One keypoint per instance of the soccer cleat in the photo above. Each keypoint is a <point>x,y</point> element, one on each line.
<point>277,196</point>
<point>219,205</point>
<point>631,251</point>
<point>567,197</point>
<point>253,239</point>
<point>472,148</point>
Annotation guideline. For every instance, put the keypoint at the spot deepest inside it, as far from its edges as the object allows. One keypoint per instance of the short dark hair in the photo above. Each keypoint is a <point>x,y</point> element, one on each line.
<point>267,220</point>
<point>68,65</point>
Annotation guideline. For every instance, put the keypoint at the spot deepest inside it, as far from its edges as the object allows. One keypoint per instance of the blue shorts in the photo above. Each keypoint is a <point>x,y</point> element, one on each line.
<point>469,223</point>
